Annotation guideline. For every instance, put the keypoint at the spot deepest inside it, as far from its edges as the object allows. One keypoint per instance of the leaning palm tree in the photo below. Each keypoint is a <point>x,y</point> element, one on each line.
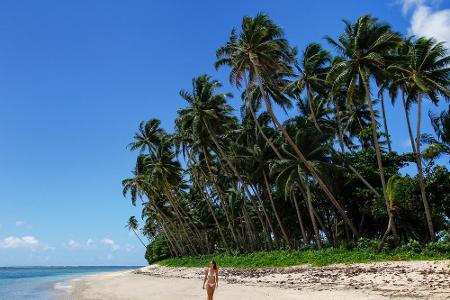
<point>166,178</point>
<point>424,74</point>
<point>252,99</point>
<point>290,172</point>
<point>139,187</point>
<point>255,54</point>
<point>364,46</point>
<point>257,159</point>
<point>208,116</point>
<point>441,145</point>
<point>311,78</point>
<point>133,225</point>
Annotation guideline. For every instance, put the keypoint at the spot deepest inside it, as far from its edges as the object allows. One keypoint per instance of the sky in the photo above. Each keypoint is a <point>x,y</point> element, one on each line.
<point>77,77</point>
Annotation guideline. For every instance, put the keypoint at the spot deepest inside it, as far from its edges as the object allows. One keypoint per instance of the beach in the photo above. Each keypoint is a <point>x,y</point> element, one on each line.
<point>402,280</point>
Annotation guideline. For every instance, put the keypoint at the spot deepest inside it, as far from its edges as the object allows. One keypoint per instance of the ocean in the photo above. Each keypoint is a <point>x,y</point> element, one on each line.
<point>43,283</point>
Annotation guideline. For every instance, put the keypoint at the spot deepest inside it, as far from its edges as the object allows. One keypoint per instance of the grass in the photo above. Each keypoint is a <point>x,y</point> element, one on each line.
<point>286,258</point>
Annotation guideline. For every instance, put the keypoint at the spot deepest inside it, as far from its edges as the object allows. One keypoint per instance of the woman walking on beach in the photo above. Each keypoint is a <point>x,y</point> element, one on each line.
<point>211,279</point>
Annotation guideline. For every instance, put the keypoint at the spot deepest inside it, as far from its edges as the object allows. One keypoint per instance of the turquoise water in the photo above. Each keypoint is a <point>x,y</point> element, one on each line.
<point>43,283</point>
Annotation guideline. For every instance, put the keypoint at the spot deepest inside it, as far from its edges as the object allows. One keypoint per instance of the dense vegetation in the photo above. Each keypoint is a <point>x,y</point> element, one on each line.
<point>325,177</point>
<point>363,252</point>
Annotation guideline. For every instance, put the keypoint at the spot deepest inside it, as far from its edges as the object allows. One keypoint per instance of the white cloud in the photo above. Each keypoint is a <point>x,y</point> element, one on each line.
<point>20,223</point>
<point>427,20</point>
<point>90,243</point>
<point>25,242</point>
<point>73,244</point>
<point>13,242</point>
<point>111,243</point>
<point>109,256</point>
<point>407,5</point>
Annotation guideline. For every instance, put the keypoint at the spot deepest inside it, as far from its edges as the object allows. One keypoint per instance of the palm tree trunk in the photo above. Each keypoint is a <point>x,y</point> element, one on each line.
<point>244,186</point>
<point>172,247</point>
<point>183,212</point>
<point>182,223</point>
<point>275,211</point>
<point>378,151</point>
<point>258,194</point>
<point>165,217</point>
<point>349,166</point>
<point>426,205</point>
<point>386,233</point>
<point>268,141</point>
<point>173,236</point>
<point>213,214</point>
<point>252,111</point>
<point>408,122</point>
<point>322,225</point>
<point>250,229</point>
<point>252,225</point>
<point>219,193</point>
<point>307,164</point>
<point>339,125</point>
<point>299,217</point>
<point>139,238</point>
<point>311,214</point>
<point>415,145</point>
<point>386,131</point>
<point>311,108</point>
<point>226,209</point>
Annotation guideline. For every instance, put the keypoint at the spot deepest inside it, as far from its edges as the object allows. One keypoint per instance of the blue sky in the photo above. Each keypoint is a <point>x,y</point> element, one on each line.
<point>76,77</point>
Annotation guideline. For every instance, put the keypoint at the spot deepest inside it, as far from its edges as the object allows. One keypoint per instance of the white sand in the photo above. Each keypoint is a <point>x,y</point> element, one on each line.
<point>402,280</point>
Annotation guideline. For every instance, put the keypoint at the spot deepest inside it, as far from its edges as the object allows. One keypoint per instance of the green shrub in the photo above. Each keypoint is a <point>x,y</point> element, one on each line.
<point>363,253</point>
<point>413,247</point>
<point>367,244</point>
<point>157,250</point>
<point>439,247</point>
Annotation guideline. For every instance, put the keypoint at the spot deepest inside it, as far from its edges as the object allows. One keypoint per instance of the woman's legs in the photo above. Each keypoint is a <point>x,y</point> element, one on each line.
<point>210,292</point>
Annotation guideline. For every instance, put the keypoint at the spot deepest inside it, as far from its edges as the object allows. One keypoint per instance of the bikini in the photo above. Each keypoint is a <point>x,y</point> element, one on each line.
<point>211,275</point>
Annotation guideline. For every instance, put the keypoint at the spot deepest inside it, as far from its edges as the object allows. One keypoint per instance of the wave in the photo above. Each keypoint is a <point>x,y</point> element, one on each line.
<point>62,286</point>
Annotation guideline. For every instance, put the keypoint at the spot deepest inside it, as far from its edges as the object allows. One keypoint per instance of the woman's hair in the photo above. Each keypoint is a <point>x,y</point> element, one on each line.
<point>213,262</point>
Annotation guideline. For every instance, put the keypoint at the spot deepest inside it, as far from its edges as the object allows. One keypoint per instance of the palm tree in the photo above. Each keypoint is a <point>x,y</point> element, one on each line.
<point>290,171</point>
<point>148,137</point>
<point>364,46</point>
<point>424,74</point>
<point>133,225</point>
<point>255,54</point>
<point>312,71</point>
<point>257,159</point>
<point>252,98</point>
<point>138,187</point>
<point>356,118</point>
<point>199,175</point>
<point>441,145</point>
<point>208,115</point>
<point>166,178</point>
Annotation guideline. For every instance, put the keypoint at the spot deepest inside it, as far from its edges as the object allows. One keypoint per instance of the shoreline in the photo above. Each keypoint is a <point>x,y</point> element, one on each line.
<point>402,280</point>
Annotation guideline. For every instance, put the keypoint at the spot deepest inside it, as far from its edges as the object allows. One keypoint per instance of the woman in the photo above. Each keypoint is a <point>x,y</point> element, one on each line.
<point>211,279</point>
